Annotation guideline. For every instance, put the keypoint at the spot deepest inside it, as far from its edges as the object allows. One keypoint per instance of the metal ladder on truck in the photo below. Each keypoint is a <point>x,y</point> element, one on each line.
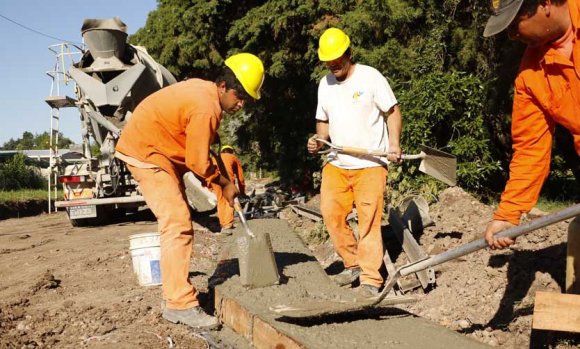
<point>64,57</point>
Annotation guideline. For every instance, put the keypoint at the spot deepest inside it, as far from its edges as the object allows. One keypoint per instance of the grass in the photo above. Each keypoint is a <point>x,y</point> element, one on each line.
<point>549,205</point>
<point>23,195</point>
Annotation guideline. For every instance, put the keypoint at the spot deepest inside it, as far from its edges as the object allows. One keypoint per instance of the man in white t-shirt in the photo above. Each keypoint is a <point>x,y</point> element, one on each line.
<point>354,101</point>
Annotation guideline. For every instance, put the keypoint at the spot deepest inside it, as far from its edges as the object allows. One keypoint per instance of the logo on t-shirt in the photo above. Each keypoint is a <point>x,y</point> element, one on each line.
<point>357,95</point>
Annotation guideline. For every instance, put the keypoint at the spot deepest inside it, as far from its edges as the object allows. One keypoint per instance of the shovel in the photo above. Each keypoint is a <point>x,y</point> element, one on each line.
<point>435,163</point>
<point>255,256</point>
<point>333,307</point>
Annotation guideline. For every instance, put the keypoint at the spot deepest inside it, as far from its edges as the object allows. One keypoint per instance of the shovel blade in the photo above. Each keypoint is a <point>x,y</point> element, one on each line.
<point>256,260</point>
<point>440,165</point>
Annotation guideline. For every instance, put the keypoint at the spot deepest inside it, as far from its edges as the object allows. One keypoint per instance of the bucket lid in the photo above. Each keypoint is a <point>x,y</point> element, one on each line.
<point>143,235</point>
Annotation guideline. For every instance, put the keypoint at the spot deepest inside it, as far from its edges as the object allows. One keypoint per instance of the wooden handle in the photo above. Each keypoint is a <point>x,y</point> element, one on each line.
<point>421,155</point>
<point>361,151</point>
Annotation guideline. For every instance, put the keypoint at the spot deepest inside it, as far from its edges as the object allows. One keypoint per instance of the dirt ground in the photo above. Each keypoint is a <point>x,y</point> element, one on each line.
<point>64,287</point>
<point>74,287</point>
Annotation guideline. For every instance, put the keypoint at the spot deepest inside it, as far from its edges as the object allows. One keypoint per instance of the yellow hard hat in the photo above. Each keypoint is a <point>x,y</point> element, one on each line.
<point>333,43</point>
<point>249,70</point>
<point>227,147</point>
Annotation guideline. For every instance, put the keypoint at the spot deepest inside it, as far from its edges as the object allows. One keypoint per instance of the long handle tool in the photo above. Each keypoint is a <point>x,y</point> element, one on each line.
<point>258,266</point>
<point>435,163</point>
<point>334,307</point>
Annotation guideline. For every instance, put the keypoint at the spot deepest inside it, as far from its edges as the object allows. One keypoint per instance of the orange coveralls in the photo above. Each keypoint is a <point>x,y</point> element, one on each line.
<point>547,91</point>
<point>170,133</point>
<point>233,167</point>
<point>365,188</point>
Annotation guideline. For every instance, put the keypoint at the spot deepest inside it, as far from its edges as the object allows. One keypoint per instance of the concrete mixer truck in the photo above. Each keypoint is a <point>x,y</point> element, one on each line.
<point>111,78</point>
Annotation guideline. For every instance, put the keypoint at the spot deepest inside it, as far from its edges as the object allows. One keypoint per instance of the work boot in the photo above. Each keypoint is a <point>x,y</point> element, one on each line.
<point>227,231</point>
<point>193,317</point>
<point>369,290</point>
<point>347,276</point>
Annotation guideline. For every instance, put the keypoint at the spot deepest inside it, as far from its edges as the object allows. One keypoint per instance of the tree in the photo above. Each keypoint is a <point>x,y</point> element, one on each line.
<point>453,85</point>
<point>30,141</point>
<point>16,175</point>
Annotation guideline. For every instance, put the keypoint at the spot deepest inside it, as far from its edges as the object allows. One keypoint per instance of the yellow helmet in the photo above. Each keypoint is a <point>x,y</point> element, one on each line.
<point>227,147</point>
<point>249,70</point>
<point>333,43</point>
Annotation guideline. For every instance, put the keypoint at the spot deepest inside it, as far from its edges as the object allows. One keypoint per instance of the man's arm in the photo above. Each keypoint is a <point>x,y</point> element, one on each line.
<point>199,134</point>
<point>322,133</point>
<point>532,134</point>
<point>394,126</point>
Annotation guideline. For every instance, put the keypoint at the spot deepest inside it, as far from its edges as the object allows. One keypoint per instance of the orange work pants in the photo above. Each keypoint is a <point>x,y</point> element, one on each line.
<point>165,197</point>
<point>364,188</point>
<point>224,210</point>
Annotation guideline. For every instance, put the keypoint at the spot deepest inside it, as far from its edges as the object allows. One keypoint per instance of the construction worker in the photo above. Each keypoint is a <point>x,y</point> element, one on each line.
<point>170,133</point>
<point>354,102</point>
<point>233,166</point>
<point>547,91</point>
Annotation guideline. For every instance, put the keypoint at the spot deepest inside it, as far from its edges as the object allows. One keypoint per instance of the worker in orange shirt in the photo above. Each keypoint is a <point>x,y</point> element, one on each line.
<point>356,108</point>
<point>170,133</point>
<point>547,91</point>
<point>233,167</point>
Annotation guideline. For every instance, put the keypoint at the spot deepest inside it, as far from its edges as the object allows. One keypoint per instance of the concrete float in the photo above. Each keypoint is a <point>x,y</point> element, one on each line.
<point>246,311</point>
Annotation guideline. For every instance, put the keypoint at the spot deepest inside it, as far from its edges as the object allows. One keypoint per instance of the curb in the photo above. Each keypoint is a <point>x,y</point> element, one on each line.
<point>256,330</point>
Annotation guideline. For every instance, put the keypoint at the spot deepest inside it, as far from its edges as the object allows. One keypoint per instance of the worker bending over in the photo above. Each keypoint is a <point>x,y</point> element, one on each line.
<point>233,167</point>
<point>170,133</point>
<point>547,91</point>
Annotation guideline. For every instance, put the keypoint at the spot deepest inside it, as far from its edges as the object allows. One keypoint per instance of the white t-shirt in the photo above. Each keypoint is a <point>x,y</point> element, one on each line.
<point>353,109</point>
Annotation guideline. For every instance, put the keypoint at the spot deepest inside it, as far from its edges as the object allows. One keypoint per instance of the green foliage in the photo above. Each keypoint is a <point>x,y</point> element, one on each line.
<point>24,195</point>
<point>444,111</point>
<point>30,141</point>
<point>16,175</point>
<point>452,84</point>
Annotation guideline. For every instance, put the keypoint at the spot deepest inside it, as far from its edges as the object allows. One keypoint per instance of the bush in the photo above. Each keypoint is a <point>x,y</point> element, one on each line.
<point>445,111</point>
<point>16,175</point>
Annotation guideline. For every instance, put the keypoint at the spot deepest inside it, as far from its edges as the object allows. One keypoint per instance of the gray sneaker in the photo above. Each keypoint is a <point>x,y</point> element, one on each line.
<point>193,317</point>
<point>347,277</point>
<point>369,290</point>
<point>227,231</point>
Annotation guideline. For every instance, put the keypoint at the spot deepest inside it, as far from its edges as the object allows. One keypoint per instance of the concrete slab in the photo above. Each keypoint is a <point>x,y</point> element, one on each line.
<point>247,312</point>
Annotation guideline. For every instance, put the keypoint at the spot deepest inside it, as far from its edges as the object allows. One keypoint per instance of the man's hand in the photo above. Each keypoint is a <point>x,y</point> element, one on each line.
<point>313,146</point>
<point>495,227</point>
<point>394,153</point>
<point>230,191</point>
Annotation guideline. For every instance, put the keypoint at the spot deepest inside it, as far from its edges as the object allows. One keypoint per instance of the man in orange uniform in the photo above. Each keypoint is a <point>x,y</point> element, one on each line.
<point>354,101</point>
<point>547,91</point>
<point>170,133</point>
<point>235,173</point>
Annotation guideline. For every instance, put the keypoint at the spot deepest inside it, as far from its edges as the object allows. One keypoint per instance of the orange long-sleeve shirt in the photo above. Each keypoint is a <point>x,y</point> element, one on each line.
<point>233,166</point>
<point>547,91</point>
<point>174,127</point>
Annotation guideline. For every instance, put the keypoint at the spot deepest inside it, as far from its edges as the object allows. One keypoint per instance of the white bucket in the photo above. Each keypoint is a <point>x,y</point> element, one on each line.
<point>146,255</point>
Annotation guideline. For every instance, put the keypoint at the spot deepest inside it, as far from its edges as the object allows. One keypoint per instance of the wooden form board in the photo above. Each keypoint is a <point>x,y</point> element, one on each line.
<point>557,312</point>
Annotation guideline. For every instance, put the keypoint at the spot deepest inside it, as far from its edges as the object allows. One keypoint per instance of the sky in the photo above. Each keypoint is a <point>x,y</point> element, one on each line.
<point>25,57</point>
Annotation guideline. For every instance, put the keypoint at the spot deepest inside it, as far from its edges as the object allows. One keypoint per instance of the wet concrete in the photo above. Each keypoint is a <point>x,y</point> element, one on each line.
<point>303,280</point>
<point>256,260</point>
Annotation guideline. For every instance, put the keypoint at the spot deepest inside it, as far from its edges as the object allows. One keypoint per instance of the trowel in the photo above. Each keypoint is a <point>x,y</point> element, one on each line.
<point>330,307</point>
<point>435,163</point>
<point>255,256</point>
